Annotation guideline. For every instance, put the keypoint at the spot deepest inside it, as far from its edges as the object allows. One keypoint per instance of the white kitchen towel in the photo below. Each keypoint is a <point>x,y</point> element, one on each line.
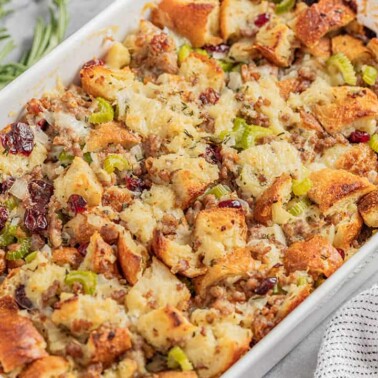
<point>350,345</point>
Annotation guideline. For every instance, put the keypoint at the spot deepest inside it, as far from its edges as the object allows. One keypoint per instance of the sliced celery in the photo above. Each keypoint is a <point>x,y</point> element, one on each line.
<point>178,359</point>
<point>301,187</point>
<point>86,278</point>
<point>105,113</point>
<point>373,143</point>
<point>369,75</point>
<point>113,162</point>
<point>343,65</point>
<point>219,191</point>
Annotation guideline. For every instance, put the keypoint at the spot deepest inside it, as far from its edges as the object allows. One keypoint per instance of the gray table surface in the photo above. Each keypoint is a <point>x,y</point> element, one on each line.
<point>21,24</point>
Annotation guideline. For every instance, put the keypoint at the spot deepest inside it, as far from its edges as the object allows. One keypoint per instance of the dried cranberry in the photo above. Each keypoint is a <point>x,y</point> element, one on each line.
<point>40,193</point>
<point>22,300</point>
<point>35,220</point>
<point>359,137</point>
<point>94,62</point>
<point>135,184</point>
<point>4,214</point>
<point>7,184</point>
<point>341,252</point>
<point>212,154</point>
<point>266,285</point>
<point>262,19</point>
<point>82,249</point>
<point>77,204</point>
<point>20,139</point>
<point>222,48</point>
<point>235,204</point>
<point>43,124</point>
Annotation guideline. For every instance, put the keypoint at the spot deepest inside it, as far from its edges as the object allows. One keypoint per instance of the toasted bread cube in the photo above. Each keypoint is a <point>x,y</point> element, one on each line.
<point>46,367</point>
<point>179,257</point>
<point>224,343</point>
<point>165,327</point>
<point>100,257</point>
<point>117,198</point>
<point>321,18</point>
<point>353,48</point>
<point>347,230</point>
<point>110,133</point>
<point>78,179</point>
<point>105,344</point>
<point>309,122</point>
<point>198,21</point>
<point>118,56</point>
<point>202,71</point>
<point>373,47</point>
<point>333,190</point>
<point>278,193</point>
<point>100,81</point>
<point>315,255</point>
<point>218,232</point>
<point>243,51</point>
<point>132,257</point>
<point>238,15</point>
<point>348,106</point>
<point>322,49</point>
<point>20,342</point>
<point>239,263</point>
<point>67,255</point>
<point>84,313</point>
<point>158,287</point>
<point>275,43</point>
<point>359,159</point>
<point>293,300</point>
<point>368,208</point>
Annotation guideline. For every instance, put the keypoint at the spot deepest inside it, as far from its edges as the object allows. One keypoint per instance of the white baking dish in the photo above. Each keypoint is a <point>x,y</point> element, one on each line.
<point>64,63</point>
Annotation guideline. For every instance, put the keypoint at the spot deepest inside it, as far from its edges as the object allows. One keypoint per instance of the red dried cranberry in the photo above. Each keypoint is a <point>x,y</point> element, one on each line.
<point>262,19</point>
<point>212,154</point>
<point>7,184</point>
<point>22,300</point>
<point>341,252</point>
<point>266,285</point>
<point>4,214</point>
<point>43,124</point>
<point>234,204</point>
<point>77,204</point>
<point>82,249</point>
<point>20,139</point>
<point>135,184</point>
<point>222,48</point>
<point>359,137</point>
<point>35,220</point>
<point>40,193</point>
<point>94,62</point>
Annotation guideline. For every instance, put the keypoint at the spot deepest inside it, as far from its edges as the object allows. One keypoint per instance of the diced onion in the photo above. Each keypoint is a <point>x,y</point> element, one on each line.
<point>40,136</point>
<point>19,189</point>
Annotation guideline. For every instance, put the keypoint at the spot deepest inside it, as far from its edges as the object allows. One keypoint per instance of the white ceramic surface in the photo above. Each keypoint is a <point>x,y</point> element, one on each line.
<point>64,62</point>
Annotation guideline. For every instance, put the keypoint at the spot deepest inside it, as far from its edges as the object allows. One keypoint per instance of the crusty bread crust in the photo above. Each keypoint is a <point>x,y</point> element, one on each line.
<point>368,208</point>
<point>46,367</point>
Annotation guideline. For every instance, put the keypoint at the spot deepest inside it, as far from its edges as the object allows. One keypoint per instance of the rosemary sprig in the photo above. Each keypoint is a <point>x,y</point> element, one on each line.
<point>47,35</point>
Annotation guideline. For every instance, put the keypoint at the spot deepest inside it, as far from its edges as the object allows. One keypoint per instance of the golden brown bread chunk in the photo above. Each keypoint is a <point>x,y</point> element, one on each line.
<point>105,344</point>
<point>100,257</point>
<point>309,122</point>
<point>131,257</point>
<point>360,159</point>
<point>116,198</point>
<point>218,232</point>
<point>110,133</point>
<point>316,21</point>
<point>179,257</point>
<point>198,21</point>
<point>321,50</point>
<point>353,48</point>
<point>278,192</point>
<point>239,263</point>
<point>275,43</point>
<point>100,81</point>
<point>67,255</point>
<point>368,208</point>
<point>347,230</point>
<point>373,47</point>
<point>20,342</point>
<point>350,104</point>
<point>46,367</point>
<point>315,255</point>
<point>334,189</point>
